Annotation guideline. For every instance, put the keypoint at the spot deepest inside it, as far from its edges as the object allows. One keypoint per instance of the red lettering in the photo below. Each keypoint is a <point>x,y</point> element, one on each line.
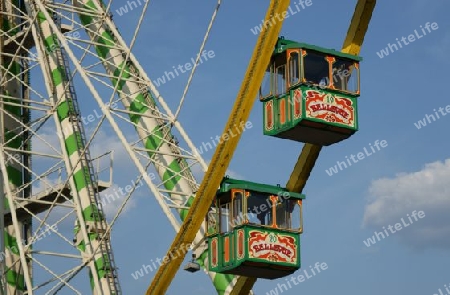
<point>272,247</point>
<point>330,108</point>
<point>315,107</point>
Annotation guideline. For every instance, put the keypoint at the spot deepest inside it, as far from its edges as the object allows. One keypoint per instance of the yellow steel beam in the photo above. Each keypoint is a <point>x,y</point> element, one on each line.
<point>310,152</point>
<point>352,44</point>
<point>296,183</point>
<point>358,26</point>
<point>243,286</point>
<point>224,152</point>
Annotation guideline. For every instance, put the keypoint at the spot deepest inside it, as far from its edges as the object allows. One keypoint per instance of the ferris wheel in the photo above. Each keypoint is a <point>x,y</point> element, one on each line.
<point>53,171</point>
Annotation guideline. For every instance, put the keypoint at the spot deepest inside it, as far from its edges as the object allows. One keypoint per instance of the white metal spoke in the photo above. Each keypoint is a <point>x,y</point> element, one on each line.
<point>48,54</point>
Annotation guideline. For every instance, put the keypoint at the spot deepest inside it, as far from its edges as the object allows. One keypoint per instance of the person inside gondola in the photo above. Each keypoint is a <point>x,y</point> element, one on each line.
<point>316,68</point>
<point>262,218</point>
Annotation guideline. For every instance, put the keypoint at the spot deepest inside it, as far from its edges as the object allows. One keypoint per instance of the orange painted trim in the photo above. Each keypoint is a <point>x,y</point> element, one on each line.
<point>214,252</point>
<point>288,54</point>
<point>300,203</point>
<point>358,82</point>
<point>331,60</point>
<point>274,200</point>
<point>283,111</point>
<point>240,252</point>
<point>226,249</point>
<point>269,115</point>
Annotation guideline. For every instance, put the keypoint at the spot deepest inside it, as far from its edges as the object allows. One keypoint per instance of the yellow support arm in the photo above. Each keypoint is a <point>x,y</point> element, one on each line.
<point>225,150</point>
<point>358,26</point>
<point>310,152</point>
<point>352,44</point>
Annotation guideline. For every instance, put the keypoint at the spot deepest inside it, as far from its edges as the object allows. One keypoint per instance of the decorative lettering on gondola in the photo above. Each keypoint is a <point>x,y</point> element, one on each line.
<point>273,247</point>
<point>330,108</point>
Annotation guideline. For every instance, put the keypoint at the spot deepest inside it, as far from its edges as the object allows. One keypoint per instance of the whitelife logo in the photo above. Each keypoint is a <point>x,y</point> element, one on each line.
<point>411,38</point>
<point>398,227</point>
<point>297,279</point>
<point>361,156</point>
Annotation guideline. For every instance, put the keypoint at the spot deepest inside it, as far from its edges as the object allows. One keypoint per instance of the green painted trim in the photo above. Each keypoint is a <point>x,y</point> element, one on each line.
<point>172,175</point>
<point>233,240</point>
<point>184,212</point>
<point>138,106</point>
<point>123,78</point>
<point>14,67</point>
<point>13,140</point>
<point>228,183</point>
<point>82,246</point>
<point>92,213</point>
<point>62,110</point>
<point>283,44</point>
<point>15,279</point>
<point>13,276</point>
<point>41,17</point>
<point>11,241</point>
<point>103,266</point>
<point>80,179</point>
<point>154,141</point>
<point>58,75</point>
<point>15,176</point>
<point>107,42</point>
<point>14,110</point>
<point>50,43</point>
<point>71,143</point>
<point>87,19</point>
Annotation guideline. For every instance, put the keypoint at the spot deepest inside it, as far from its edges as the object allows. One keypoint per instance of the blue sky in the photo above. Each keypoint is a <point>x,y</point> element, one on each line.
<point>342,210</point>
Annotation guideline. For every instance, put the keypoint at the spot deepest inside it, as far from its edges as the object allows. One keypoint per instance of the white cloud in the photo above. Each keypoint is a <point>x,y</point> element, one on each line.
<point>427,190</point>
<point>48,141</point>
<point>102,143</point>
<point>122,167</point>
<point>45,184</point>
<point>235,175</point>
<point>112,199</point>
